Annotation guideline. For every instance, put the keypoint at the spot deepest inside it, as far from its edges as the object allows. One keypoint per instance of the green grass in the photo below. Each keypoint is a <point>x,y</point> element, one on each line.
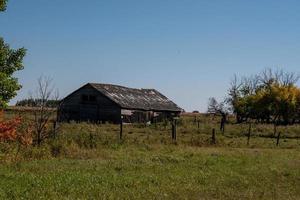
<point>168,172</point>
<point>87,161</point>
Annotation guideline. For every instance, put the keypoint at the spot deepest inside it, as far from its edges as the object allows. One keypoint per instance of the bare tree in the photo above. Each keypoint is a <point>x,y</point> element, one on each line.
<point>289,78</point>
<point>233,96</point>
<point>269,76</point>
<point>42,115</point>
<point>216,108</point>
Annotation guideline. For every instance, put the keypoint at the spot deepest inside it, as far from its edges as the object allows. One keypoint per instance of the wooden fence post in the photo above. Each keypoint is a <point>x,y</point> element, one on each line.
<point>278,138</point>
<point>198,124</point>
<point>275,130</point>
<point>222,125</point>
<point>121,128</point>
<point>249,134</point>
<point>91,140</point>
<point>174,129</point>
<point>54,129</point>
<point>213,136</point>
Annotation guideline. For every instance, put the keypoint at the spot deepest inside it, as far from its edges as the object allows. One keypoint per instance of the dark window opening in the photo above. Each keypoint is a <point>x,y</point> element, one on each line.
<point>85,97</point>
<point>92,98</point>
<point>89,98</point>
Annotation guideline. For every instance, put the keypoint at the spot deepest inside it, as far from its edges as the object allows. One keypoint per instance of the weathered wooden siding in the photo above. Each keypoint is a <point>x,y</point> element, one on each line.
<point>87,104</point>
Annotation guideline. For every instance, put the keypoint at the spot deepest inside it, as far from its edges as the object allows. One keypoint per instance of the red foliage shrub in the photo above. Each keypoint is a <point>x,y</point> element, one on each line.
<point>9,131</point>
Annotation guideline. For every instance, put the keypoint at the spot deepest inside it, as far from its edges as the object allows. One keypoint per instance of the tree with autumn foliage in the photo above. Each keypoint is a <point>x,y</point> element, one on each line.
<point>270,97</point>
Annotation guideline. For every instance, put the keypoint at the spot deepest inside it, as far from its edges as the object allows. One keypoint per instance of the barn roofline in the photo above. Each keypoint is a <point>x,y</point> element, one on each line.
<point>177,110</point>
<point>142,99</point>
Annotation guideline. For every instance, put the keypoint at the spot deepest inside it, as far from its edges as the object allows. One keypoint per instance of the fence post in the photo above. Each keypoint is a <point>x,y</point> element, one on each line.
<point>213,136</point>
<point>278,138</point>
<point>54,129</point>
<point>121,128</point>
<point>222,126</point>
<point>275,130</point>
<point>174,128</point>
<point>198,124</point>
<point>249,134</point>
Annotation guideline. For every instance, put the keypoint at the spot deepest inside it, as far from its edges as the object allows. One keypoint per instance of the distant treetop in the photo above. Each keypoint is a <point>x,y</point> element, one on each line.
<point>3,5</point>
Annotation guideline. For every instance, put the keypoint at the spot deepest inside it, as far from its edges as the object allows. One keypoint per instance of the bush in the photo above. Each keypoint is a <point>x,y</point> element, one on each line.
<point>15,130</point>
<point>8,128</point>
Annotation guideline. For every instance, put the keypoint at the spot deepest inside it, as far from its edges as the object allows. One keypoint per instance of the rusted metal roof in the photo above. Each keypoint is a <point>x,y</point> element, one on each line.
<point>138,99</point>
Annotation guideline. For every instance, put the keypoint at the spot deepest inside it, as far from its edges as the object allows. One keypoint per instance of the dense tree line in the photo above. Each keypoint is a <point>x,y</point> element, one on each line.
<point>38,102</point>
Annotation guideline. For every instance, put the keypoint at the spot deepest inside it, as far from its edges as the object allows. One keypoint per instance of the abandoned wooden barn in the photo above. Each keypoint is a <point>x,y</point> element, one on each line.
<point>109,103</point>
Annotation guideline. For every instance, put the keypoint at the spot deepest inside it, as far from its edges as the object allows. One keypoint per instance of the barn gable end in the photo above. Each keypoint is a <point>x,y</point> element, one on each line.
<point>87,104</point>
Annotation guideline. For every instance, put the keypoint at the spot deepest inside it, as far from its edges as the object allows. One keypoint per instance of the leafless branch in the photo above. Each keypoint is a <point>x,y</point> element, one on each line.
<point>44,92</point>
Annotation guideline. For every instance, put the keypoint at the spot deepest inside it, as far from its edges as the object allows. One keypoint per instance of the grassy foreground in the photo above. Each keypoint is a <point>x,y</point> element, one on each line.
<point>87,161</point>
<point>158,172</point>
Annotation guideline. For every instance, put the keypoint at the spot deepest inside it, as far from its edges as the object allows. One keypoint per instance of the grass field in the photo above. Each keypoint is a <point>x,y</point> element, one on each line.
<point>158,173</point>
<point>88,161</point>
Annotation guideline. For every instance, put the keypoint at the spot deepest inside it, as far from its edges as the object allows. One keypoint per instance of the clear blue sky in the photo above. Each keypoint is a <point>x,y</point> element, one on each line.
<point>189,50</point>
